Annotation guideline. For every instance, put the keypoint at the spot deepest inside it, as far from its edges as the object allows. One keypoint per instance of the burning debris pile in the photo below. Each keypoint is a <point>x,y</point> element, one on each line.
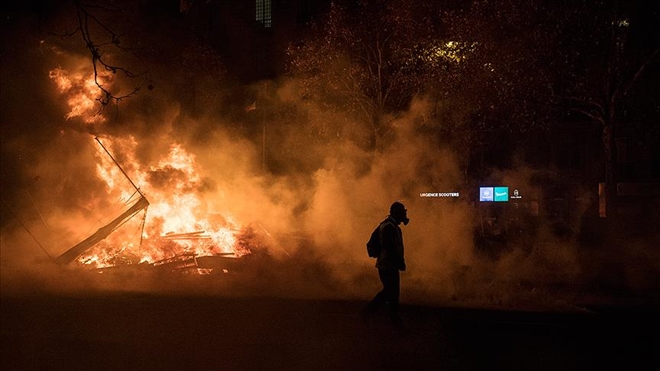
<point>162,236</point>
<point>121,187</point>
<point>158,217</point>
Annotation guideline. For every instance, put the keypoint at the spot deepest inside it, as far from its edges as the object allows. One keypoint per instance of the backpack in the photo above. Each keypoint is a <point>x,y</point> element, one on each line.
<point>374,244</point>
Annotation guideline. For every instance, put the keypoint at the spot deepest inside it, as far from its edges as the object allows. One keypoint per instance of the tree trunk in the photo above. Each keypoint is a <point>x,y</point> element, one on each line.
<point>609,147</point>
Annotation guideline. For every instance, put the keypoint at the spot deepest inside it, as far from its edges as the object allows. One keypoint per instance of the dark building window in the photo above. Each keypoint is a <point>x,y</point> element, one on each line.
<point>263,13</point>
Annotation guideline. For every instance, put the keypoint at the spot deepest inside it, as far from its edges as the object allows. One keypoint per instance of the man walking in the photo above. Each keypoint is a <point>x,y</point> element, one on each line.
<point>389,263</point>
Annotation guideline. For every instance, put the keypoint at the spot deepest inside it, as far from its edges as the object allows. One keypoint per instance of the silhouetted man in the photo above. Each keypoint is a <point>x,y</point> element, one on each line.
<point>390,261</point>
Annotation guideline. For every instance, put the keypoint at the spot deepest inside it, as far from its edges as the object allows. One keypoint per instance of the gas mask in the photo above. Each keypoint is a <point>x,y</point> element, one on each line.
<point>402,216</point>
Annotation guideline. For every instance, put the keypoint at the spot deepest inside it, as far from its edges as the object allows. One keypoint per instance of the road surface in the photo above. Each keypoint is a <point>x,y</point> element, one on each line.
<point>190,332</point>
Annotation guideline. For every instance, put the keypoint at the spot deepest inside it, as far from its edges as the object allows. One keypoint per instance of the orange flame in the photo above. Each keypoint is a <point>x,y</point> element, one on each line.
<point>175,223</point>
<point>81,91</point>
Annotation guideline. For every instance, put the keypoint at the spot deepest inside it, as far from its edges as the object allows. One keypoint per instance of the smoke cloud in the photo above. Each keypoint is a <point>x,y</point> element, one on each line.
<point>299,175</point>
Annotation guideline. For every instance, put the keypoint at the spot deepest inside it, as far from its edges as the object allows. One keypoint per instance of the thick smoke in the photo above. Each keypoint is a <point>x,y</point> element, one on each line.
<point>312,197</point>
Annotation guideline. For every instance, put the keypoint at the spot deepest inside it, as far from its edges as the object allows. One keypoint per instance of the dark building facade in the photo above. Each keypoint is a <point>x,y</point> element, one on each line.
<point>251,35</point>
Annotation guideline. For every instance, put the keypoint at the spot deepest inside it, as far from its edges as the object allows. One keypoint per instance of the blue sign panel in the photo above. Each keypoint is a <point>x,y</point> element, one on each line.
<point>486,194</point>
<point>501,194</point>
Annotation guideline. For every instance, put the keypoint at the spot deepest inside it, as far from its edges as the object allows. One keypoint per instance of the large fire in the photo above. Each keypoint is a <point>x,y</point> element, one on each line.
<point>175,223</point>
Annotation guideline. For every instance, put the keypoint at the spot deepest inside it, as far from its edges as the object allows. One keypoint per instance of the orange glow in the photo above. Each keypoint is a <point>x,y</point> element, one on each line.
<point>82,93</point>
<point>175,223</point>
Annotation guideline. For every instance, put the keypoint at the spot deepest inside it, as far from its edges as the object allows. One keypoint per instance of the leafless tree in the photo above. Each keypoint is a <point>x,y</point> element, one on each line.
<point>609,49</point>
<point>97,25</point>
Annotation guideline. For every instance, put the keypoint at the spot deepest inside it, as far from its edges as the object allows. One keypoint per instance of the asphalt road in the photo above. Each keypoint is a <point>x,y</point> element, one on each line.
<point>189,332</point>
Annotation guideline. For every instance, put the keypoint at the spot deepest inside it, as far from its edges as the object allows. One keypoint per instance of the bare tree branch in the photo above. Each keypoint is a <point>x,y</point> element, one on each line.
<point>88,21</point>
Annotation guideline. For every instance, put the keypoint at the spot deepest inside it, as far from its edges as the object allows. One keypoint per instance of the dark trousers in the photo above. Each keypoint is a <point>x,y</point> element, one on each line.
<point>388,295</point>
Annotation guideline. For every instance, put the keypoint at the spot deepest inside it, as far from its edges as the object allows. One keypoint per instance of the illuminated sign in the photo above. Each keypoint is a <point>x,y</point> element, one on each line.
<point>485,194</point>
<point>496,194</point>
<point>501,194</point>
